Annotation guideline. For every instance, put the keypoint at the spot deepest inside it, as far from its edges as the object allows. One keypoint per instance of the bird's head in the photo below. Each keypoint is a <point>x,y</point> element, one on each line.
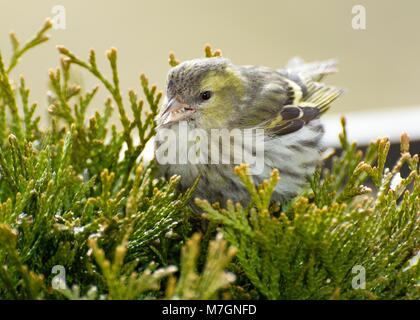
<point>205,92</point>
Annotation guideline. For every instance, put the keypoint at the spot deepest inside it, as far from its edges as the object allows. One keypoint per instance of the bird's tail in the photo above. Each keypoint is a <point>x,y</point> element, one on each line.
<point>314,70</point>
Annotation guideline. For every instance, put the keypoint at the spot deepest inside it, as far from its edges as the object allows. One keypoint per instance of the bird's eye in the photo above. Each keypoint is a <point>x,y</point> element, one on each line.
<point>205,95</point>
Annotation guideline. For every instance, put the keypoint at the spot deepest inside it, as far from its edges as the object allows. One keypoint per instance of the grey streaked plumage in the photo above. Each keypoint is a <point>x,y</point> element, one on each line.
<point>286,103</point>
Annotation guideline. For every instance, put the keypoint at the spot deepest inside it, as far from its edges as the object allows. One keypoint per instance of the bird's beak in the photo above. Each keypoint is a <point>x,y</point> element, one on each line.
<point>175,110</point>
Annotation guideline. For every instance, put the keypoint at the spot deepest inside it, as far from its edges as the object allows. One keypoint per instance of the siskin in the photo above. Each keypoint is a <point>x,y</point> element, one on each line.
<point>284,104</point>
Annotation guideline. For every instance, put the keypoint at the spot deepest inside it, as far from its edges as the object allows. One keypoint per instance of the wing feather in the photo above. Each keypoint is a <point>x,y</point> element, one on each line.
<point>289,98</point>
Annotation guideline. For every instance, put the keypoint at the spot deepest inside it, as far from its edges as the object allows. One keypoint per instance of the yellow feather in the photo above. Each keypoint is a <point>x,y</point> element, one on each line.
<point>275,122</point>
<point>228,88</point>
<point>297,96</point>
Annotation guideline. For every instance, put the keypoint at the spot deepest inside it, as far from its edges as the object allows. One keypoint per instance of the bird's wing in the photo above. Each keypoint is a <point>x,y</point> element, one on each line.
<point>285,100</point>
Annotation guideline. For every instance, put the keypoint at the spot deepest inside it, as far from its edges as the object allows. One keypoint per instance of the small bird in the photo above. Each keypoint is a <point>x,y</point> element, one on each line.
<point>285,104</point>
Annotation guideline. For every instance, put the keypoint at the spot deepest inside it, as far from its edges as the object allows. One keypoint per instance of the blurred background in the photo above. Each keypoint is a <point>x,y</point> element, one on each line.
<point>379,66</point>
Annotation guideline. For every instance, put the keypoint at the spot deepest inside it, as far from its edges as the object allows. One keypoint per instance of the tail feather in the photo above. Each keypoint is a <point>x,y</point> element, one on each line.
<point>314,70</point>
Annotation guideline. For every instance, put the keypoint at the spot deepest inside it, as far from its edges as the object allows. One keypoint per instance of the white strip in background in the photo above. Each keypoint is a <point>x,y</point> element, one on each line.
<point>366,126</point>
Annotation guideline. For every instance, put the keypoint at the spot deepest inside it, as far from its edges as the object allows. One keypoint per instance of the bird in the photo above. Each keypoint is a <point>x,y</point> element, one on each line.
<point>283,105</point>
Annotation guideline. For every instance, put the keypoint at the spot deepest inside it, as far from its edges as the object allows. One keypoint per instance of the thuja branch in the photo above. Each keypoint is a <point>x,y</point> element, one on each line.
<point>113,87</point>
<point>18,51</point>
<point>7,92</point>
<point>146,127</point>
